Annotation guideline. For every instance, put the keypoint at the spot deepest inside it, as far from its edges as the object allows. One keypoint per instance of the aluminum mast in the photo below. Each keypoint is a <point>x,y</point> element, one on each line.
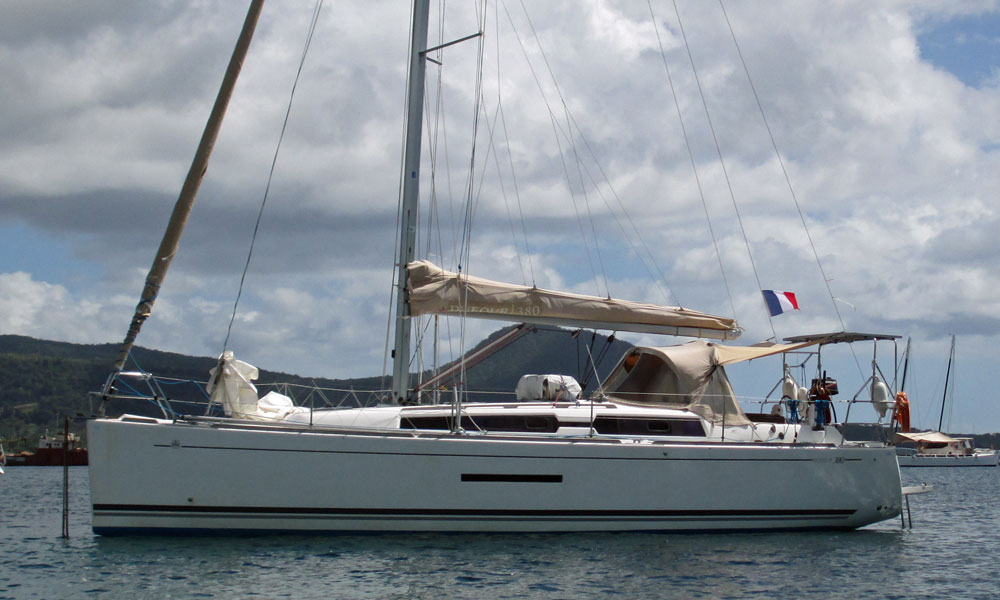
<point>410,195</point>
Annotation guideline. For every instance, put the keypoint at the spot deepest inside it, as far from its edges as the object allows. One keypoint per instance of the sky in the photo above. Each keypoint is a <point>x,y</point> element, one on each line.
<point>881,214</point>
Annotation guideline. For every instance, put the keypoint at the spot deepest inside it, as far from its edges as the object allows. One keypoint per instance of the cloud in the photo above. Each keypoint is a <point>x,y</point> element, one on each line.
<point>47,311</point>
<point>893,161</point>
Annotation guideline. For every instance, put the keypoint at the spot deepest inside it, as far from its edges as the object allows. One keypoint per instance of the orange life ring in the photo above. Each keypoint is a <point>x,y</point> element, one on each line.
<point>901,412</point>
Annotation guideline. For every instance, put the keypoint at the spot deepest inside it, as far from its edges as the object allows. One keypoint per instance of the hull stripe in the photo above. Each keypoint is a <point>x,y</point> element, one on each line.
<point>173,510</point>
<point>510,478</point>
<point>666,451</point>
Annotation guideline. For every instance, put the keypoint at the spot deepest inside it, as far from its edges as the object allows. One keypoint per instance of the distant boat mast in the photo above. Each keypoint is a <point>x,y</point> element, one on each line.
<point>947,375</point>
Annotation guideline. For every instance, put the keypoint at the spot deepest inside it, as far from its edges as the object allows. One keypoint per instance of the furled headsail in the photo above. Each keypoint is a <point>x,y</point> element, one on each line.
<point>189,191</point>
<point>432,290</point>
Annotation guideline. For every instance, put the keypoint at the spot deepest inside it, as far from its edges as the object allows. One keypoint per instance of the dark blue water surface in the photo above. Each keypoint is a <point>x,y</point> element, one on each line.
<point>951,551</point>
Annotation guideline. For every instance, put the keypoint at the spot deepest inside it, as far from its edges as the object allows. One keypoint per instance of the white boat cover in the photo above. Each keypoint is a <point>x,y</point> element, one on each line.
<point>926,436</point>
<point>547,387</point>
<point>687,376</point>
<point>432,290</point>
<point>273,406</point>
<point>236,394</point>
<point>232,388</point>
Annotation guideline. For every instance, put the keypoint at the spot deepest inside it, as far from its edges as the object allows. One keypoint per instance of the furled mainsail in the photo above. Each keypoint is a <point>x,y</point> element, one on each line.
<point>432,290</point>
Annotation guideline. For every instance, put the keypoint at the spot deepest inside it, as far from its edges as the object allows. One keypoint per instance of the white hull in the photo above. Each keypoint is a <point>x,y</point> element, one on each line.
<point>979,459</point>
<point>150,476</point>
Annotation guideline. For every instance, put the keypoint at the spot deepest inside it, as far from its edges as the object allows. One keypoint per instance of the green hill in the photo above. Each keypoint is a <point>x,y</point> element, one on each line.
<point>42,381</point>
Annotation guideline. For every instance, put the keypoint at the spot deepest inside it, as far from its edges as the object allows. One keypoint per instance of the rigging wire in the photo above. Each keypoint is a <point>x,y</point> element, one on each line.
<point>469,209</point>
<point>572,194</point>
<point>690,150</point>
<point>658,278</point>
<point>722,164</point>
<point>643,251</point>
<point>781,163</point>
<point>555,127</point>
<point>506,201</point>
<point>586,203</point>
<point>390,312</point>
<point>437,131</point>
<point>448,173</point>
<point>510,159</point>
<point>492,151</point>
<point>436,124</point>
<point>788,182</point>
<point>274,161</point>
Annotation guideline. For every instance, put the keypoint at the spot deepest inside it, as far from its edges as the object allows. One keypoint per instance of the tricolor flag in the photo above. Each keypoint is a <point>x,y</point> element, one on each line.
<point>779,302</point>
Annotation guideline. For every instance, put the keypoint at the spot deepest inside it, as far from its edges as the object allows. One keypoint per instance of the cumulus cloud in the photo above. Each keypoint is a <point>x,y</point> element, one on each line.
<point>893,161</point>
<point>47,311</point>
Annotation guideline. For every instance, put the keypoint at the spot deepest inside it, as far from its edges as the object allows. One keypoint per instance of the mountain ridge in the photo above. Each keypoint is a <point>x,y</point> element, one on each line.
<point>42,380</point>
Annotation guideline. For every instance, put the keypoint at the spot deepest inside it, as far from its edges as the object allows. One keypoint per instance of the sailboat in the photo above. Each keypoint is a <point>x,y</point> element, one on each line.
<point>937,449</point>
<point>662,445</point>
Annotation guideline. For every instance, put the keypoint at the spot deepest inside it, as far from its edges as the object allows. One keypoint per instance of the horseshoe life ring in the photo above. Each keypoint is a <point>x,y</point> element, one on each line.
<point>901,412</point>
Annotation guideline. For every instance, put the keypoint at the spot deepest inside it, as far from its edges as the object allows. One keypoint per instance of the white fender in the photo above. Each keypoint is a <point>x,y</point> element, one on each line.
<point>806,412</point>
<point>880,397</point>
<point>789,389</point>
<point>790,396</point>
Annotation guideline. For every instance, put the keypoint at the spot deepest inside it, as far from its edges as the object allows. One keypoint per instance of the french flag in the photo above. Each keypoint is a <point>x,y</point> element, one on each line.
<point>779,302</point>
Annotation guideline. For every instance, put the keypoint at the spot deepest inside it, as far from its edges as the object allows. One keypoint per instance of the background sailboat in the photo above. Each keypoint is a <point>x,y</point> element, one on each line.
<point>938,449</point>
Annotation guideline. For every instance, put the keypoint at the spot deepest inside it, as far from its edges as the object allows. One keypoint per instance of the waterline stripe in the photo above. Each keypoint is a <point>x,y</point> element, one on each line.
<point>474,512</point>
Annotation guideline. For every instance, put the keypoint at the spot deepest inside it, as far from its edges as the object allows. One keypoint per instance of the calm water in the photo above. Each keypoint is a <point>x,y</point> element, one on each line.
<point>951,552</point>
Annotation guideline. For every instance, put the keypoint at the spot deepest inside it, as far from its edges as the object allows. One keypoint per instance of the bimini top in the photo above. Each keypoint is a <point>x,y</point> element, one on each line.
<point>688,376</point>
<point>432,290</point>
<point>841,337</point>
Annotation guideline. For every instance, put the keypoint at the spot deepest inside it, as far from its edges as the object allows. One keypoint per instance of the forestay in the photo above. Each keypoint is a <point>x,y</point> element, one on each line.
<point>433,290</point>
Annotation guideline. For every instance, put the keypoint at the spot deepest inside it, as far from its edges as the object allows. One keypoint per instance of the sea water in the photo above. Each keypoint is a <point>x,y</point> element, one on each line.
<point>951,551</point>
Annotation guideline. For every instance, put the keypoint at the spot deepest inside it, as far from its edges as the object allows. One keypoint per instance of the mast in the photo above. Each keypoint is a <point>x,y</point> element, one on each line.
<point>906,364</point>
<point>410,195</point>
<point>185,201</point>
<point>947,375</point>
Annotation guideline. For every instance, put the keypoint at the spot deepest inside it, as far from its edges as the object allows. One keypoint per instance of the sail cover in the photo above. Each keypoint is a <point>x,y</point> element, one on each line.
<point>433,290</point>
<point>926,436</point>
<point>688,376</point>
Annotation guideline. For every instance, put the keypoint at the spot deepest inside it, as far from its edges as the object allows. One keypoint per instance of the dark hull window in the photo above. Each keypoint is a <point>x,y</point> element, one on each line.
<point>620,426</point>
<point>513,423</point>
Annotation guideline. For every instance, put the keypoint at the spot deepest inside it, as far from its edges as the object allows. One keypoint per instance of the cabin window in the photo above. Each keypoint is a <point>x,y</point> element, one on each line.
<point>509,423</point>
<point>425,423</point>
<point>537,424</point>
<point>634,426</point>
<point>658,426</point>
